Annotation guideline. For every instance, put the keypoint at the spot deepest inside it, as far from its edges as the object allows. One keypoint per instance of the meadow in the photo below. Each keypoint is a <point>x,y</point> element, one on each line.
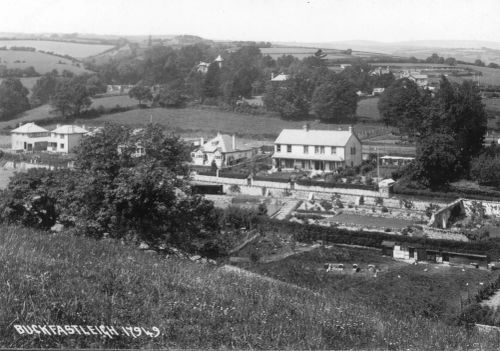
<point>203,121</point>
<point>112,101</point>
<point>42,63</point>
<point>60,279</point>
<point>368,109</point>
<point>76,50</point>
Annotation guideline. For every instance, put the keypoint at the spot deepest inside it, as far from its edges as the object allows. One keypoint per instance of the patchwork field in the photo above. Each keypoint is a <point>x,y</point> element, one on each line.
<point>302,52</point>
<point>42,63</point>
<point>76,50</point>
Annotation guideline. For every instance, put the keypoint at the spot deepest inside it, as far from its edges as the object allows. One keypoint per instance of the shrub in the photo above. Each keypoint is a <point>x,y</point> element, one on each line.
<point>384,209</point>
<point>429,210</point>
<point>379,201</point>
<point>339,203</point>
<point>235,188</point>
<point>327,205</point>
<point>361,200</point>
<point>406,203</point>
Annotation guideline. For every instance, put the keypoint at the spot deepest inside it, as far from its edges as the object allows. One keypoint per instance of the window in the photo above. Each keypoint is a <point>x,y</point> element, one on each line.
<point>334,150</point>
<point>278,148</point>
<point>61,136</point>
<point>306,150</point>
<point>353,150</point>
<point>62,146</point>
<point>289,148</point>
<point>319,149</point>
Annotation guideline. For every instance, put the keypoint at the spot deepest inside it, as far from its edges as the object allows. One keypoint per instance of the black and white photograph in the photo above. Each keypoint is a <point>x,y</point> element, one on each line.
<point>250,175</point>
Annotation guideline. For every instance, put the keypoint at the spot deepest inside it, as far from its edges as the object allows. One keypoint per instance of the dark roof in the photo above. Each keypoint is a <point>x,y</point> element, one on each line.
<point>388,243</point>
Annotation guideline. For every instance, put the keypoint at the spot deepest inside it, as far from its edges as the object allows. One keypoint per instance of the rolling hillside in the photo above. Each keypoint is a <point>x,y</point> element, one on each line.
<point>61,279</point>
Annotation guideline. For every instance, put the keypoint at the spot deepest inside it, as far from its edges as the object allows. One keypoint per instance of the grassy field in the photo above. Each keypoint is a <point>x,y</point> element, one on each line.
<point>112,101</point>
<point>199,122</point>
<point>42,63</point>
<point>367,108</point>
<point>77,50</point>
<point>59,279</point>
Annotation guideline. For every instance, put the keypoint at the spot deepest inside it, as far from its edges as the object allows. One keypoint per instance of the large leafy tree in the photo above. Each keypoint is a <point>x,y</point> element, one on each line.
<point>72,96</point>
<point>44,89</point>
<point>334,100</point>
<point>13,98</point>
<point>292,98</point>
<point>437,161</point>
<point>400,105</point>
<point>110,191</point>
<point>141,94</point>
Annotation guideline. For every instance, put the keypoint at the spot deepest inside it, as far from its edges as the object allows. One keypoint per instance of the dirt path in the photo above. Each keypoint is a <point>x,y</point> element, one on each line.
<point>282,256</point>
<point>245,273</point>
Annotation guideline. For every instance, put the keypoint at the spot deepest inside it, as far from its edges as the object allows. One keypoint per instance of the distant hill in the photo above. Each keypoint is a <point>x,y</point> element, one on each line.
<point>463,50</point>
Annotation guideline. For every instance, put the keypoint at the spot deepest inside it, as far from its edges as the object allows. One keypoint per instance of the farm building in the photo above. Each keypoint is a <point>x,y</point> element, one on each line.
<point>118,89</point>
<point>412,252</point>
<point>64,138</point>
<point>395,160</point>
<point>29,137</point>
<point>223,151</point>
<point>321,150</point>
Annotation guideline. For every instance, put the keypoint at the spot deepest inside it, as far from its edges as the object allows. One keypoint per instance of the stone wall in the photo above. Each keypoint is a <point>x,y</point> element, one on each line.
<point>492,208</point>
<point>435,233</point>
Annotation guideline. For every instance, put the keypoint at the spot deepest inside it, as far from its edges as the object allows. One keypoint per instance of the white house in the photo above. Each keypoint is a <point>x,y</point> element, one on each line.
<point>324,150</point>
<point>422,80</point>
<point>202,67</point>
<point>280,77</point>
<point>64,138</point>
<point>29,137</point>
<point>222,150</point>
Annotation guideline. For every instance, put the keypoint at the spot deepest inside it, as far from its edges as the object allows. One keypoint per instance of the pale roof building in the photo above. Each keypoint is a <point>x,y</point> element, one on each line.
<point>29,128</point>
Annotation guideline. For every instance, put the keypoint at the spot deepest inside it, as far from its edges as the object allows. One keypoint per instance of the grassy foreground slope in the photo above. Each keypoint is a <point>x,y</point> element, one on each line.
<point>60,279</point>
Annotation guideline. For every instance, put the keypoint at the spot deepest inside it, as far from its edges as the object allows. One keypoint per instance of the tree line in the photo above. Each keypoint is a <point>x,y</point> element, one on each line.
<point>449,128</point>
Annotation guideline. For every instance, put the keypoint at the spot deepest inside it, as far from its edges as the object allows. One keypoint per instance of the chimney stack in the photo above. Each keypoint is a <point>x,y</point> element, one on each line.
<point>58,125</point>
<point>234,142</point>
<point>350,129</point>
<point>272,75</point>
<point>306,127</point>
<point>201,141</point>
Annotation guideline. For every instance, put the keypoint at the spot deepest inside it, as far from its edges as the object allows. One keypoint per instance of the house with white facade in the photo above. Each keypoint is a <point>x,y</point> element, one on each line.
<point>64,138</point>
<point>29,137</point>
<point>280,77</point>
<point>320,150</point>
<point>223,150</point>
<point>422,80</point>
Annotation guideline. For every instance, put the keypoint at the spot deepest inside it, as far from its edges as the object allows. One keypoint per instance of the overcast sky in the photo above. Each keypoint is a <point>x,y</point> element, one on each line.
<point>270,20</point>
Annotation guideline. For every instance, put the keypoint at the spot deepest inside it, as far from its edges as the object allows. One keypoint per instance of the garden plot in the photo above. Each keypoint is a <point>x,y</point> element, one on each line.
<point>356,217</point>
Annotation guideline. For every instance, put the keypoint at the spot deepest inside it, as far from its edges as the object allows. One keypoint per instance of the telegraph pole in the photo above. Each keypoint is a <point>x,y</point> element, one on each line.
<point>378,167</point>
